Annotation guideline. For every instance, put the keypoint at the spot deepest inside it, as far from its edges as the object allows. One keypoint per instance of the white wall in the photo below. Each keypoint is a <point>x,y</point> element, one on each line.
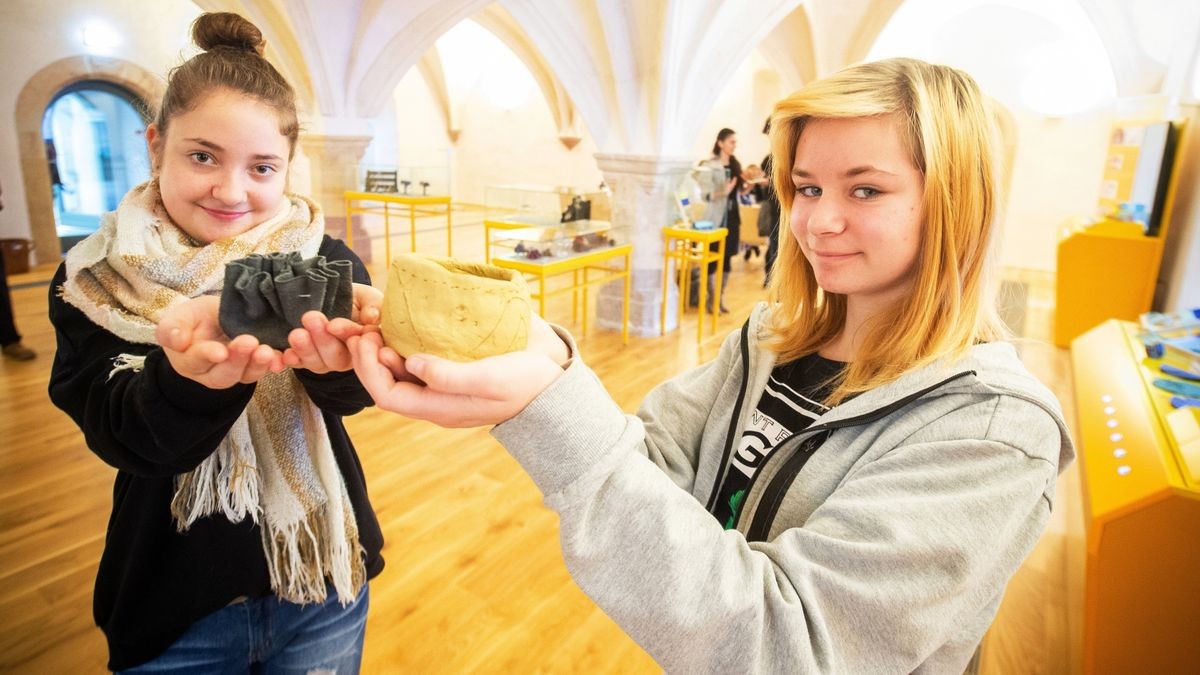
<point>497,146</point>
<point>34,34</point>
<point>743,106</point>
<point>1056,176</point>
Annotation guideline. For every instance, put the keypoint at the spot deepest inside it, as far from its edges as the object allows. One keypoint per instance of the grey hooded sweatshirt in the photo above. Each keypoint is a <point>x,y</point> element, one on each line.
<point>888,552</point>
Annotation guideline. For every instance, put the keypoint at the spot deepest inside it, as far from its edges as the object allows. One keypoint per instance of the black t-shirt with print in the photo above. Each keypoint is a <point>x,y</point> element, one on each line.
<point>791,402</point>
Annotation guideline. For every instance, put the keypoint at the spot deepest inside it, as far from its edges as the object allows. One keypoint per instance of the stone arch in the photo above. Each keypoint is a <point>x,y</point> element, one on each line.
<point>32,102</point>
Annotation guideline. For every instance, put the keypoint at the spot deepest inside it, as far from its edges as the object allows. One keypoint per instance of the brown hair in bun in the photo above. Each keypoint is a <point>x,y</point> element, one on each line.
<point>225,29</point>
<point>232,59</point>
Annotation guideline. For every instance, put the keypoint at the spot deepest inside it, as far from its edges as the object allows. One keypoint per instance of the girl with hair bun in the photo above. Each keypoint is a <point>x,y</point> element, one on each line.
<point>241,533</point>
<point>849,485</point>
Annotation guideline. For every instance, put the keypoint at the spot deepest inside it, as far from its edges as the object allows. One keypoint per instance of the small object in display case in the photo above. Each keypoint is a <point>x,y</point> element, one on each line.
<point>434,178</point>
<point>578,209</point>
<point>548,243</point>
<point>380,181</point>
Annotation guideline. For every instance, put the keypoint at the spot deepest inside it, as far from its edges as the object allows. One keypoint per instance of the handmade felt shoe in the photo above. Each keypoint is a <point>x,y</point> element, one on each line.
<point>458,310</point>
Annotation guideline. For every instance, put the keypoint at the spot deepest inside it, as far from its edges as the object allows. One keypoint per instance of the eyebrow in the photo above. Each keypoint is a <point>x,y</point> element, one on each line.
<point>849,173</point>
<point>213,146</point>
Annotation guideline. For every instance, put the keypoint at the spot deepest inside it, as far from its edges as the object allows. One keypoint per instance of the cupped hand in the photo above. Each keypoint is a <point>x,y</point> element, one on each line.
<point>449,393</point>
<point>196,347</point>
<point>317,347</point>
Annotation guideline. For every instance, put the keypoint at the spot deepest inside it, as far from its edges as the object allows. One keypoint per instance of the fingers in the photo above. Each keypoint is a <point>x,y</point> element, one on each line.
<point>331,350</point>
<point>368,304</point>
<point>315,348</point>
<point>344,329</point>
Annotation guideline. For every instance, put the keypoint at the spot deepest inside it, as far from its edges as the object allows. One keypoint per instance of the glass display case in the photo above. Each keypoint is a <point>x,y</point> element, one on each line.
<point>543,242</point>
<point>415,181</point>
<point>524,202</point>
<point>524,208</point>
<point>700,201</point>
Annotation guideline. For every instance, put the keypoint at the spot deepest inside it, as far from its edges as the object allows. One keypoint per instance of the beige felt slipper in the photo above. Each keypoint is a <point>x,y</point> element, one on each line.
<point>458,310</point>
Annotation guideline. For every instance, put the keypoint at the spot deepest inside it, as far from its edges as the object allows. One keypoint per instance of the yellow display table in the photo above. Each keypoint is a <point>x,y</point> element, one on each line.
<point>490,224</point>
<point>1106,270</point>
<point>685,247</point>
<point>415,205</point>
<point>579,265</point>
<point>1140,464</point>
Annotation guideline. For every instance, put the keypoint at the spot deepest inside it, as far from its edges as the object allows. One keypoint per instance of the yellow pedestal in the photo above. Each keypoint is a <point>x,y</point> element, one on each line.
<point>587,269</point>
<point>386,204</point>
<point>1105,271</point>
<point>686,247</point>
<point>1140,463</point>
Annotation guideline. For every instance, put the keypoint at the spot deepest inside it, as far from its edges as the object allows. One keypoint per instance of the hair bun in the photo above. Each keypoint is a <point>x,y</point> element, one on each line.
<point>226,29</point>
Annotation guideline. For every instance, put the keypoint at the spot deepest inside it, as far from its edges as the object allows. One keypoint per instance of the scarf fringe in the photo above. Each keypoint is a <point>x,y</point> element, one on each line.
<point>131,362</point>
<point>229,486</point>
<point>303,557</point>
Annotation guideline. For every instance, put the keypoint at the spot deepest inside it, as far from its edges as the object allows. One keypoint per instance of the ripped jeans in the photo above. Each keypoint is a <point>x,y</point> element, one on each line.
<point>270,636</point>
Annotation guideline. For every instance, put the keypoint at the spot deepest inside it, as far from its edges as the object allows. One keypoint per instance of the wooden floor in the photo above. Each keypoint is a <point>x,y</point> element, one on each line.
<point>474,579</point>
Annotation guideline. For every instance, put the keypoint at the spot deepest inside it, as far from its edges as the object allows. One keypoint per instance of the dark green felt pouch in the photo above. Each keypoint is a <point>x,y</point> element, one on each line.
<point>265,295</point>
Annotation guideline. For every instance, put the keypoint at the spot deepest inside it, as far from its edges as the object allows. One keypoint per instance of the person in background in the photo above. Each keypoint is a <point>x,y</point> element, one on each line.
<point>724,159</point>
<point>850,484</point>
<point>754,189</point>
<point>242,537</point>
<point>768,215</point>
<point>10,340</point>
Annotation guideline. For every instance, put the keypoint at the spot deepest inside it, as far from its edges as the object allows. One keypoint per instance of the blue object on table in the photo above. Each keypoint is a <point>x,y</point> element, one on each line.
<point>1179,372</point>
<point>1177,387</point>
<point>1185,402</point>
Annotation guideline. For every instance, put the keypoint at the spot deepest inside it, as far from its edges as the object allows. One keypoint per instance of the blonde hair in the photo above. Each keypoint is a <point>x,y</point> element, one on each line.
<point>946,126</point>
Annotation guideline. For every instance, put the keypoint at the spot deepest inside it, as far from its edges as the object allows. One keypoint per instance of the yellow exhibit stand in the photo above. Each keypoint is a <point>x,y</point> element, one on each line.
<point>1108,269</point>
<point>1140,465</point>
<point>388,204</point>
<point>687,248</point>
<point>541,249</point>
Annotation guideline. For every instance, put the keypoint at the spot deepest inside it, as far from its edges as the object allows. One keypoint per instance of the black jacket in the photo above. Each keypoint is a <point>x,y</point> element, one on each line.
<point>153,581</point>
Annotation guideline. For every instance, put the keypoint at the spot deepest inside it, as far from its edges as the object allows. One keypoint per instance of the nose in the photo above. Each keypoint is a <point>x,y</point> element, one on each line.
<point>229,188</point>
<point>818,217</point>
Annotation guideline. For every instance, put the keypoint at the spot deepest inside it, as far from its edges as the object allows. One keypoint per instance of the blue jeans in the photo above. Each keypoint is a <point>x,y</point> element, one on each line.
<point>270,636</point>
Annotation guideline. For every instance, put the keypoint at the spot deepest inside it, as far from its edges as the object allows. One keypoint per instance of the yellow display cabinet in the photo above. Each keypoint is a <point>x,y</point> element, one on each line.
<point>1140,464</point>
<point>583,249</point>
<point>399,205</point>
<point>1108,268</point>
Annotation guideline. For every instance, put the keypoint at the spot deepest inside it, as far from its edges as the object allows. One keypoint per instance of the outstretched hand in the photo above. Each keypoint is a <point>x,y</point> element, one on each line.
<point>196,347</point>
<point>320,344</point>
<point>453,394</point>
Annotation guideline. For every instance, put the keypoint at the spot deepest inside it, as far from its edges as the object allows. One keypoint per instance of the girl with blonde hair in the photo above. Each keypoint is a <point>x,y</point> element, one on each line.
<point>849,485</point>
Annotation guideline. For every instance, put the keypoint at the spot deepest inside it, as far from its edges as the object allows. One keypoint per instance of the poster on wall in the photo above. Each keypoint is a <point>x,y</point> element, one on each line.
<point>1137,173</point>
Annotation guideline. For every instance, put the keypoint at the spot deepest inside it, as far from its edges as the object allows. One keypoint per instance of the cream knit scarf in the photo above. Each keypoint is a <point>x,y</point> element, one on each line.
<point>276,461</point>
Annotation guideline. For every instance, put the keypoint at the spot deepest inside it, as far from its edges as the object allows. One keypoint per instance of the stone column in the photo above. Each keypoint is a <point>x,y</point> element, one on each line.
<point>334,164</point>
<point>643,188</point>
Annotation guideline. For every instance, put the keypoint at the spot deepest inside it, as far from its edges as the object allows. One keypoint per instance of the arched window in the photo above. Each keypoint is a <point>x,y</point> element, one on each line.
<point>95,143</point>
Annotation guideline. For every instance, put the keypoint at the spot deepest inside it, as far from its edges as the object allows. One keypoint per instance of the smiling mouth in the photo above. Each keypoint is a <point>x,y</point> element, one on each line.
<point>224,215</point>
